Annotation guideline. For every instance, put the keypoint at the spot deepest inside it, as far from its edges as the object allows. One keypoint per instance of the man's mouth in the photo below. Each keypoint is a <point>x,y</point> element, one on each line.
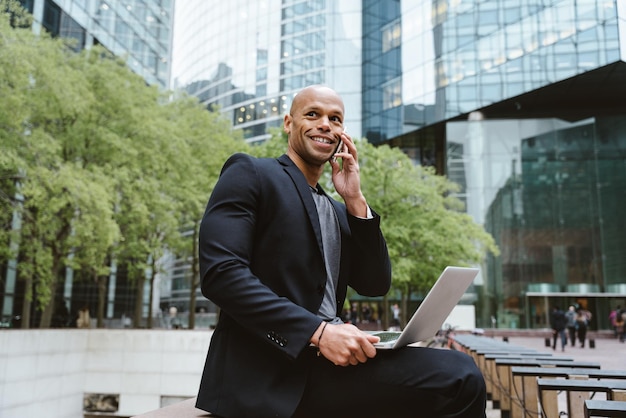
<point>322,140</point>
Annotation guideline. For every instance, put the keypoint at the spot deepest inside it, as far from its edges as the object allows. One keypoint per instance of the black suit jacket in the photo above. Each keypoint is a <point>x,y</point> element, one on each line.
<point>261,261</point>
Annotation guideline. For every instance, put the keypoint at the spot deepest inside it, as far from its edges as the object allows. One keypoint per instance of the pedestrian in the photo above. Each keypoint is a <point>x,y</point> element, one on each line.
<point>354,313</point>
<point>583,317</point>
<point>558,322</point>
<point>613,316</point>
<point>277,254</point>
<point>570,316</point>
<point>395,310</point>
<point>84,319</point>
<point>174,320</point>
<point>620,321</point>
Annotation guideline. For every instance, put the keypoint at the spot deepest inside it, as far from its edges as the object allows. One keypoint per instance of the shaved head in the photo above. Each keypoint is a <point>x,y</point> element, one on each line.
<point>311,91</point>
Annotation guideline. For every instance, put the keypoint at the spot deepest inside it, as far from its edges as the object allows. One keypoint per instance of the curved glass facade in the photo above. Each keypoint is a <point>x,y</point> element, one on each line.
<point>250,57</point>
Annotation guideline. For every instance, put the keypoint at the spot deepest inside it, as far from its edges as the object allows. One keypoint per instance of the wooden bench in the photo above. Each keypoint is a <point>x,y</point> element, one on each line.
<point>495,358</point>
<point>498,372</point>
<point>524,384</point>
<point>468,341</point>
<point>613,409</point>
<point>577,392</point>
<point>505,377</point>
<point>480,348</point>
<point>484,350</point>
<point>483,359</point>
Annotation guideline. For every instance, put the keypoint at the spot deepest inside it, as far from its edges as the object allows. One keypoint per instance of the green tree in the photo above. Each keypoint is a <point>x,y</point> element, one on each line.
<point>210,140</point>
<point>274,147</point>
<point>114,171</point>
<point>424,224</point>
<point>60,200</point>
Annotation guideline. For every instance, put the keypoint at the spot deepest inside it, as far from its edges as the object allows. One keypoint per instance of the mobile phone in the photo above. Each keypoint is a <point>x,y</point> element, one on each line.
<point>339,148</point>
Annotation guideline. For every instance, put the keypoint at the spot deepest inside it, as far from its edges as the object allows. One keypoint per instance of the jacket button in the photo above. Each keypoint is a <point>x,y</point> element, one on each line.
<point>320,289</point>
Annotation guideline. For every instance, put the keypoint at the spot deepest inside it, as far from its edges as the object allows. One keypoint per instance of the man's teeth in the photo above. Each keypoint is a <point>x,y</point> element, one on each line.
<point>323,140</point>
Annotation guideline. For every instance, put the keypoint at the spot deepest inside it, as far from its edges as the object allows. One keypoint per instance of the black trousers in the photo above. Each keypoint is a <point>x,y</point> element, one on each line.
<point>410,382</point>
<point>572,335</point>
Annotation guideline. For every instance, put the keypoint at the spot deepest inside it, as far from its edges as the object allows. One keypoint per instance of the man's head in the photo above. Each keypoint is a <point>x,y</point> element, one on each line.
<point>314,125</point>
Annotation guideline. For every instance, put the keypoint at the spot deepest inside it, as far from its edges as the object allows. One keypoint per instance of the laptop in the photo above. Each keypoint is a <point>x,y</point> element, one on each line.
<point>434,309</point>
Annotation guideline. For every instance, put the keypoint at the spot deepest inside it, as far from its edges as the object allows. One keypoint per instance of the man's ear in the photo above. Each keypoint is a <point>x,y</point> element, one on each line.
<point>287,124</point>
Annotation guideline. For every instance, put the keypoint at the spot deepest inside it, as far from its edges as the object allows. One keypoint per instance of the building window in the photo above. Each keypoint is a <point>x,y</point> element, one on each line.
<point>51,18</point>
<point>392,94</point>
<point>391,35</point>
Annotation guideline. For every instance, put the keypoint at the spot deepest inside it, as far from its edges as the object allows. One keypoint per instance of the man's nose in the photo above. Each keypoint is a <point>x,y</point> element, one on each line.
<point>324,123</point>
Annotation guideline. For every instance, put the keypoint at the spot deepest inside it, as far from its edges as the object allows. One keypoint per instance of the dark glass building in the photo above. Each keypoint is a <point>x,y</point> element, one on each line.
<point>523,105</point>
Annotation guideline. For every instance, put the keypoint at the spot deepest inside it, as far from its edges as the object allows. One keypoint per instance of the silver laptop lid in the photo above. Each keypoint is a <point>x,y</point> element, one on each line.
<point>437,305</point>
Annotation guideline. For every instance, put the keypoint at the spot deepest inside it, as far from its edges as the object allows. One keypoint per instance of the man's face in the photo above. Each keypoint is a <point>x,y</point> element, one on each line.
<point>315,124</point>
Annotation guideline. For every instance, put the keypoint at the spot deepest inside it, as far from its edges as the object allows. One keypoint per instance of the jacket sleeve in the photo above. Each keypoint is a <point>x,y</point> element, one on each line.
<point>226,246</point>
<point>371,267</point>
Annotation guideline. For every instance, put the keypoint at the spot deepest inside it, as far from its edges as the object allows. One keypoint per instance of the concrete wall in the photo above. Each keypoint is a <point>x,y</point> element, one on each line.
<point>47,372</point>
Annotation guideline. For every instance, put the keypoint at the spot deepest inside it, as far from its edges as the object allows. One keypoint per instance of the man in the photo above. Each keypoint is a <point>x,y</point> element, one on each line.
<point>277,255</point>
<point>558,322</point>
<point>570,324</point>
<point>613,317</point>
<point>583,318</point>
<point>395,311</point>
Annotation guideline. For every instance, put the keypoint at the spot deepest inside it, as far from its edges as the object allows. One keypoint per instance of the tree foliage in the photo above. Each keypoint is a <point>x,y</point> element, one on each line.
<point>110,169</point>
<point>423,221</point>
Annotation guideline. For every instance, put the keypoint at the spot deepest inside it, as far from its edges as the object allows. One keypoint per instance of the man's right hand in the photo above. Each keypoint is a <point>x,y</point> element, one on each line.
<point>345,344</point>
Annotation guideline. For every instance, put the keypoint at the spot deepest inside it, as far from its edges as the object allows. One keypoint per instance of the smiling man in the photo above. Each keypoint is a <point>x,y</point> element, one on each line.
<point>277,255</point>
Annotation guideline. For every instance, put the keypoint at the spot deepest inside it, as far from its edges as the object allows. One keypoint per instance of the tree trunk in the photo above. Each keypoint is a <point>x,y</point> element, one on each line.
<point>385,314</point>
<point>404,305</point>
<point>102,288</point>
<point>27,303</point>
<point>46,314</point>
<point>195,277</point>
<point>139,302</point>
<point>151,295</point>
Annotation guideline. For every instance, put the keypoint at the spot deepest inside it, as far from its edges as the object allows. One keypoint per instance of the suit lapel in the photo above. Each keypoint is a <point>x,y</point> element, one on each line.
<point>305,196</point>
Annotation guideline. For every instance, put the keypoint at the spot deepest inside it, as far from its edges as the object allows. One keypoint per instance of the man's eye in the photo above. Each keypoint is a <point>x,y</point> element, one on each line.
<point>336,119</point>
<point>311,113</point>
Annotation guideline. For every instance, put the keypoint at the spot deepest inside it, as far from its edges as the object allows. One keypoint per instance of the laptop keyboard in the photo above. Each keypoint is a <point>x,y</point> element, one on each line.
<point>387,336</point>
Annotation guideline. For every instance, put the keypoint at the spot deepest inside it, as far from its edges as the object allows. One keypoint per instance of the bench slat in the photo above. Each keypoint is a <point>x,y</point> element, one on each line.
<point>597,408</point>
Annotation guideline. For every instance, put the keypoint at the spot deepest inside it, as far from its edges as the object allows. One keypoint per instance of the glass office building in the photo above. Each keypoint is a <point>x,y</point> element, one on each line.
<point>140,30</point>
<point>248,58</point>
<point>521,102</point>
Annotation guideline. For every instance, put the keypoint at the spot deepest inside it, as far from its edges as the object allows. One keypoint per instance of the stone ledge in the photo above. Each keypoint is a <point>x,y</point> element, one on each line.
<point>184,409</point>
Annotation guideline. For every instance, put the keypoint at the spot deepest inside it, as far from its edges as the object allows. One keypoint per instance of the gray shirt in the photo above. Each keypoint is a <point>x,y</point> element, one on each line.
<point>331,243</point>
